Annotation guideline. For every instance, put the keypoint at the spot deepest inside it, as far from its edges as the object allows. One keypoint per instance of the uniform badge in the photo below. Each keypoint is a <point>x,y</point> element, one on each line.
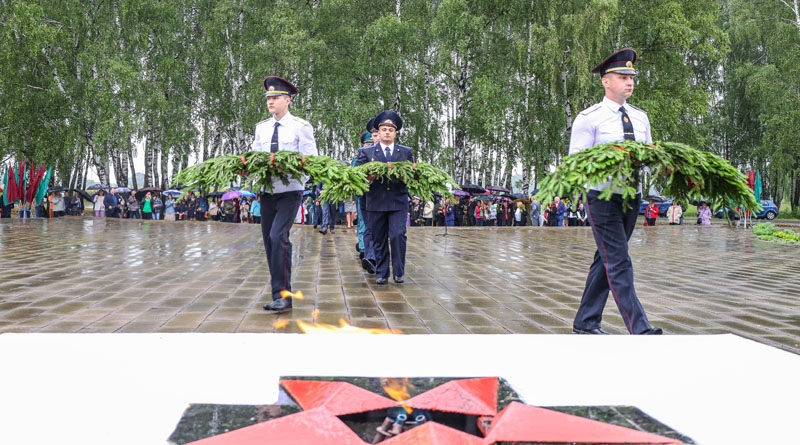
<point>272,88</point>
<point>625,119</point>
<point>629,64</point>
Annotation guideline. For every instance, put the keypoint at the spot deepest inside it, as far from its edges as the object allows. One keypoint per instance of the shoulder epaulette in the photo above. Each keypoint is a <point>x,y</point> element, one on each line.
<point>261,122</point>
<point>591,109</point>
<point>301,120</point>
<point>637,108</point>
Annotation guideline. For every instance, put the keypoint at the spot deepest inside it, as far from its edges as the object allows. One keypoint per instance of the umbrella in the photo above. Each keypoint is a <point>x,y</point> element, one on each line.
<point>472,188</point>
<point>83,194</point>
<point>97,187</point>
<point>519,196</point>
<point>144,191</point>
<point>308,192</point>
<point>215,194</point>
<point>231,195</point>
<point>122,190</point>
<point>460,193</point>
<point>654,198</point>
<point>248,193</point>
<point>482,198</point>
<point>498,189</point>
<point>172,193</point>
<point>56,189</point>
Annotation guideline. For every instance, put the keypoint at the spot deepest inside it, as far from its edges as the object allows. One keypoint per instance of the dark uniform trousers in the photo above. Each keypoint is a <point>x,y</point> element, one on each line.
<point>369,243</point>
<point>612,269</point>
<point>278,212</point>
<point>389,231</point>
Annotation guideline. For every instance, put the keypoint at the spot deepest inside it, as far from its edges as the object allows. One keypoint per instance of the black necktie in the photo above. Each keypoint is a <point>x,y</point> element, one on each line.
<point>388,153</point>
<point>274,145</point>
<point>627,126</point>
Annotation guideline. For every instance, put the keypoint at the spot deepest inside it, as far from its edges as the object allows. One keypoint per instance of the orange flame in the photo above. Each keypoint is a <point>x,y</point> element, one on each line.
<point>398,390</point>
<point>280,324</point>
<point>286,294</point>
<point>314,315</point>
<point>343,328</point>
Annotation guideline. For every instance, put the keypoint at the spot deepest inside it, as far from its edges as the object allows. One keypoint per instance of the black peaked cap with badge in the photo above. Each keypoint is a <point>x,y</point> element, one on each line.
<point>390,118</point>
<point>371,125</point>
<point>621,62</point>
<point>276,86</point>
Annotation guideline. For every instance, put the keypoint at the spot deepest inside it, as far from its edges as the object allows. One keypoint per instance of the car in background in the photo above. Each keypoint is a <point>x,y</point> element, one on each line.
<point>663,206</point>
<point>768,211</point>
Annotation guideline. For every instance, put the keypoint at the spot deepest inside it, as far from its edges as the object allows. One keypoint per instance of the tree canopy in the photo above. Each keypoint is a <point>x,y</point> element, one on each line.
<point>484,86</point>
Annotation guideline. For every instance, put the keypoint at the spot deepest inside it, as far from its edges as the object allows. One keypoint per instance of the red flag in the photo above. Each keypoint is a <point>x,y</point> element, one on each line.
<point>11,193</point>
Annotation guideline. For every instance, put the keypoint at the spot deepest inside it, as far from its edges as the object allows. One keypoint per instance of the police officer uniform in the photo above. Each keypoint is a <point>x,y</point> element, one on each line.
<point>387,204</point>
<point>365,245</point>
<point>612,224</point>
<point>279,207</point>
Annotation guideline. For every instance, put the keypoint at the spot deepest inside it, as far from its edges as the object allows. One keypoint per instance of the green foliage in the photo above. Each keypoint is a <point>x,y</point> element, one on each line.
<point>684,172</point>
<point>258,170</point>
<point>768,232</point>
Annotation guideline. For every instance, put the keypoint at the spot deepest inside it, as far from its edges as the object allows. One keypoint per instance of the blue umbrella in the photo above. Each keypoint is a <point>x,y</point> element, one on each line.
<point>248,193</point>
<point>172,192</point>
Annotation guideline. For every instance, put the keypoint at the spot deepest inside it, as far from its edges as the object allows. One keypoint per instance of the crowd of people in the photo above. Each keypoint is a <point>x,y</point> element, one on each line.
<point>480,211</point>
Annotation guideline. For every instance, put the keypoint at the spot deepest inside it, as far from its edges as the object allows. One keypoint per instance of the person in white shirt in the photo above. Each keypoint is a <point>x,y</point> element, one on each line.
<point>282,131</point>
<point>612,120</point>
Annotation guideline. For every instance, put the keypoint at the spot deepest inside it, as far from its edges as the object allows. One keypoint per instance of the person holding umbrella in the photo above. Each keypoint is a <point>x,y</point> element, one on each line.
<point>282,131</point>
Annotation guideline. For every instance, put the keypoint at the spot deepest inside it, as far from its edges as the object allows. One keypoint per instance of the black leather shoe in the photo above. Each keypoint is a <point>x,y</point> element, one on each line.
<point>280,304</point>
<point>653,331</point>
<point>358,249</point>
<point>399,280</point>
<point>323,231</point>
<point>368,265</point>
<point>381,281</point>
<point>360,255</point>
<point>595,331</point>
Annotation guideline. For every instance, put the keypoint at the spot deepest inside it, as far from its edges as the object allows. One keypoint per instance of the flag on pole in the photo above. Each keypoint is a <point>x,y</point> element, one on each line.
<point>42,191</point>
<point>757,189</point>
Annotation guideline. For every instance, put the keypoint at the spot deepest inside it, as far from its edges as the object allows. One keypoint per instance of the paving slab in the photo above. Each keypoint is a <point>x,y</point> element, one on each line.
<point>82,274</point>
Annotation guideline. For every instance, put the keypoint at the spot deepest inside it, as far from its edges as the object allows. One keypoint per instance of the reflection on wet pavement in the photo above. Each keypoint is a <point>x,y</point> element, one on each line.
<point>106,275</point>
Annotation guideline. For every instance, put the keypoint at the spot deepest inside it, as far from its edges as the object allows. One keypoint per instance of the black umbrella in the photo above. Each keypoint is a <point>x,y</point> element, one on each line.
<point>654,198</point>
<point>215,194</point>
<point>140,193</point>
<point>498,189</point>
<point>83,194</point>
<point>472,188</point>
<point>97,187</point>
<point>56,189</point>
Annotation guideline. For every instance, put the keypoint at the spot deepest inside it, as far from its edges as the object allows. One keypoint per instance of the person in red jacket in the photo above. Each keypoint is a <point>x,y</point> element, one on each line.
<point>651,213</point>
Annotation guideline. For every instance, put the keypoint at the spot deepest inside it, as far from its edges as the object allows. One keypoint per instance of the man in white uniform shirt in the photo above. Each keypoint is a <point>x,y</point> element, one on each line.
<point>612,120</point>
<point>282,131</point>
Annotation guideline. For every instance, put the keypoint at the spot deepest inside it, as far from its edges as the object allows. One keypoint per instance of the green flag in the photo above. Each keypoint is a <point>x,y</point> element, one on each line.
<point>42,190</point>
<point>757,189</point>
<point>5,184</point>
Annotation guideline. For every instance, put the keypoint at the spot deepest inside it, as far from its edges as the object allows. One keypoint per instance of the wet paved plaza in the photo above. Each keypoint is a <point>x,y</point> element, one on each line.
<point>106,275</point>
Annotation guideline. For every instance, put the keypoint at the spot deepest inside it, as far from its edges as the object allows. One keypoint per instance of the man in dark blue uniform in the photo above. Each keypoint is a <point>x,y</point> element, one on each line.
<point>387,202</point>
<point>612,120</point>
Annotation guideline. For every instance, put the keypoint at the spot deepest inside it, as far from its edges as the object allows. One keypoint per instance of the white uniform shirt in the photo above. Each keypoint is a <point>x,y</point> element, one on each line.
<point>294,134</point>
<point>602,123</point>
